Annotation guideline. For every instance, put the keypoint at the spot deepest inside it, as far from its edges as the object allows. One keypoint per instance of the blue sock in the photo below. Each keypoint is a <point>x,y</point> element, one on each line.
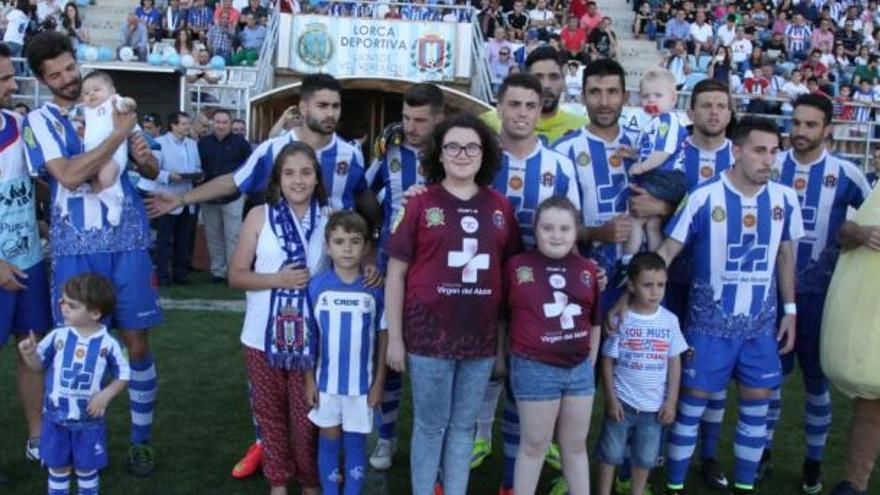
<point>59,484</point>
<point>142,396</point>
<point>328,464</point>
<point>751,437</point>
<point>774,412</point>
<point>509,436</point>
<point>683,438</point>
<point>87,482</point>
<point>257,433</point>
<point>355,445</point>
<point>710,424</point>
<point>817,417</point>
<point>386,420</point>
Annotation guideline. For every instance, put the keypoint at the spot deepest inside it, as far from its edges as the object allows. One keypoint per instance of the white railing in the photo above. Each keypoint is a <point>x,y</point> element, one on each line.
<point>266,62</point>
<point>481,81</point>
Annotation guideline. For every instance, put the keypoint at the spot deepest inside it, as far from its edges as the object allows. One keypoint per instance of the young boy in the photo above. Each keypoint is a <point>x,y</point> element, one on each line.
<point>659,145</point>
<point>76,358</point>
<point>641,370</point>
<point>349,327</point>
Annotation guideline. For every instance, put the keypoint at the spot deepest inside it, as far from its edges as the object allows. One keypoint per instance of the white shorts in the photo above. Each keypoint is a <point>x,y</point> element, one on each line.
<point>350,411</point>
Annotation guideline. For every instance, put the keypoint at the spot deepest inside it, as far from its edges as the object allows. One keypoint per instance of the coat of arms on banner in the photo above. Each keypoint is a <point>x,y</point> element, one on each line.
<point>314,46</point>
<point>432,53</point>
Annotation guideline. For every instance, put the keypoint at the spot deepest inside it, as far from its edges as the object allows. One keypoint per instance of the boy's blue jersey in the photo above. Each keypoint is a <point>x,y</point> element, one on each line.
<point>342,167</point>
<point>825,190</point>
<point>346,318</point>
<point>394,172</point>
<point>601,175</point>
<point>665,132</point>
<point>735,239</point>
<point>529,181</point>
<point>700,165</point>
<point>75,369</point>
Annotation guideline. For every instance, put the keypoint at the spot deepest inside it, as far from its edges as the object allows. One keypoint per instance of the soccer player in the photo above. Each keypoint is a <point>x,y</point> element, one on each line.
<point>396,168</point>
<point>826,187</point>
<point>529,174</point>
<point>741,226</point>
<point>83,240</point>
<point>348,325</point>
<point>545,63</point>
<point>24,284</point>
<point>77,357</point>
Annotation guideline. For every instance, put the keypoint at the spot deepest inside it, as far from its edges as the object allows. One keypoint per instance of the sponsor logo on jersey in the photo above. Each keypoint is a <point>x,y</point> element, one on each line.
<point>749,220</point>
<point>615,160</point>
<point>705,171</point>
<point>515,183</point>
<point>800,183</point>
<point>469,224</point>
<point>435,217</point>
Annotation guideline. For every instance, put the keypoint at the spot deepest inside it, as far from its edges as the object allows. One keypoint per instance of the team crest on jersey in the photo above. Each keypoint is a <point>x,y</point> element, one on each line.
<point>778,212</point>
<point>583,159</point>
<point>515,183</point>
<point>435,217</point>
<point>498,219</point>
<point>342,168</point>
<point>547,179</point>
<point>774,174</point>
<point>524,275</point>
<point>749,220</point>
<point>718,214</point>
<point>663,129</point>
<point>394,165</point>
<point>830,180</point>
<point>59,345</point>
<point>398,217</point>
<point>706,172</point>
<point>800,183</point>
<point>557,281</point>
<point>615,160</point>
<point>80,353</point>
<point>29,139</point>
<point>585,278</point>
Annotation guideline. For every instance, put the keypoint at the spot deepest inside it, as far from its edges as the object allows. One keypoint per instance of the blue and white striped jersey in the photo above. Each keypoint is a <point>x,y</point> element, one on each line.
<point>798,37</point>
<point>701,165</point>
<point>394,172</point>
<point>602,180</point>
<point>528,181</point>
<point>735,242</point>
<point>346,318</point>
<point>665,132</point>
<point>49,134</point>
<point>19,237</point>
<point>865,100</point>
<point>342,165</point>
<point>825,189</point>
<point>75,370</point>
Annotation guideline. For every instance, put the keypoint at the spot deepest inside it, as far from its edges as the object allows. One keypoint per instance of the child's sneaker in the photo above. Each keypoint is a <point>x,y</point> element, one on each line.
<point>141,460</point>
<point>553,458</point>
<point>32,449</point>
<point>622,487</point>
<point>482,450</point>
<point>383,454</point>
<point>712,475</point>
<point>559,487</point>
<point>250,463</point>
<point>812,484</point>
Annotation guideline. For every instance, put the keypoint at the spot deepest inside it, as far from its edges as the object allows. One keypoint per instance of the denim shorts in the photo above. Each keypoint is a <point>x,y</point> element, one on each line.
<point>534,381</point>
<point>641,431</point>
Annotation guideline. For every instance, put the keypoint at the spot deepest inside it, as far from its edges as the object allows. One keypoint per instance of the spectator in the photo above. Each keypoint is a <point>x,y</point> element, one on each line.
<point>183,43</point>
<point>260,13</point>
<point>199,18</point>
<point>239,128</point>
<point>702,35</point>
<point>592,18</point>
<point>202,75</point>
<point>497,43</point>
<point>679,63</point>
<point>816,89</point>
<point>500,68</point>
<point>824,34</point>
<point>232,13</point>
<point>542,19</point>
<point>661,19</point>
<point>851,39</point>
<point>814,63</point>
<point>221,153</point>
<point>22,109</point>
<point>678,29</point>
<point>200,126</point>
<point>809,11</point>
<point>134,35</point>
<point>179,167</point>
<point>152,125</point>
<point>72,25</point>
<point>220,37</point>
<point>17,22</point>
<point>740,49</point>
<point>841,66</point>
<point>573,81</point>
<point>250,40</point>
<point>150,17</point>
<point>720,66</point>
<point>517,21</point>
<point>174,19</point>
<point>48,12</point>
<point>727,33</point>
<point>780,24</point>
<point>644,22</point>
<point>797,37</point>
<point>490,18</point>
<point>776,48</point>
<point>577,8</point>
<point>602,41</point>
<point>761,19</point>
<point>868,72</point>
<point>574,38</point>
<point>756,86</point>
<point>756,58</point>
<point>532,42</point>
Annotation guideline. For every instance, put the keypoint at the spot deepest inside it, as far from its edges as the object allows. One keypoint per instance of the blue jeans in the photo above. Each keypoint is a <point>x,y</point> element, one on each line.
<point>447,395</point>
<point>639,430</point>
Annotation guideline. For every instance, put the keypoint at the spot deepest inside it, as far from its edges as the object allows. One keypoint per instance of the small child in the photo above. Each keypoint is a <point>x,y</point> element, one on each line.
<point>554,340</point>
<point>348,325</point>
<point>844,111</point>
<point>76,358</point>
<point>659,145</point>
<point>641,370</point>
<point>99,98</point>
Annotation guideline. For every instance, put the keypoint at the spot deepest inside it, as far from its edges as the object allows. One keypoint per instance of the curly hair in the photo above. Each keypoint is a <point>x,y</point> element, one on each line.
<point>434,171</point>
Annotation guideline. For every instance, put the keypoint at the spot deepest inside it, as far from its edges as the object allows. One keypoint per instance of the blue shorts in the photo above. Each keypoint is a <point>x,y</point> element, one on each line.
<point>83,448</point>
<point>532,380</point>
<point>712,361</point>
<point>641,431</point>
<point>806,345</point>
<point>132,275</point>
<point>28,309</point>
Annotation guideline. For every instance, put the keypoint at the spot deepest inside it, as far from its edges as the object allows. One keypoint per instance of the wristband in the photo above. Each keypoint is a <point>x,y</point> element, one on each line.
<point>790,308</point>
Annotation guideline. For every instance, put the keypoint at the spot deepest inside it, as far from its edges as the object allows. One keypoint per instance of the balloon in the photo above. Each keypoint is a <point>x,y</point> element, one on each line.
<point>154,59</point>
<point>171,59</point>
<point>187,61</point>
<point>126,54</point>
<point>105,54</point>
<point>217,62</point>
<point>90,53</point>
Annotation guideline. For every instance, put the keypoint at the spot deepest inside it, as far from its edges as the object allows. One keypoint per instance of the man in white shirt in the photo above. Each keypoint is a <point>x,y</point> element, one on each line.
<point>702,35</point>
<point>727,32</point>
<point>741,48</point>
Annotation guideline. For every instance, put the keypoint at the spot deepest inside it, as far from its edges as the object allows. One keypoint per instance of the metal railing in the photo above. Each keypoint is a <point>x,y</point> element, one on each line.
<point>481,81</point>
<point>266,62</point>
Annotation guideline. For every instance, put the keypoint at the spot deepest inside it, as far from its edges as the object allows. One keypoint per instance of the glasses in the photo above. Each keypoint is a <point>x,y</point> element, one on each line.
<point>503,53</point>
<point>471,150</point>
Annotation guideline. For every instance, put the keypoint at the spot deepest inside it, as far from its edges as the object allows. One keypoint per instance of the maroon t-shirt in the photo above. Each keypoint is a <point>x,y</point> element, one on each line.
<point>553,306</point>
<point>456,252</point>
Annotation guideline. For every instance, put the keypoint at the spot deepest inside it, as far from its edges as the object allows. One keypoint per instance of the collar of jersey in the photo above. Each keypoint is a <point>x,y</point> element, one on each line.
<point>736,191</point>
<point>597,138</point>
<point>331,144</point>
<point>799,164</point>
<point>725,144</point>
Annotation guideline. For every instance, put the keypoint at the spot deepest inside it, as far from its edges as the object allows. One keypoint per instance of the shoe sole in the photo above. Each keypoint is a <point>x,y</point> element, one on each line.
<point>380,466</point>
<point>812,490</point>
